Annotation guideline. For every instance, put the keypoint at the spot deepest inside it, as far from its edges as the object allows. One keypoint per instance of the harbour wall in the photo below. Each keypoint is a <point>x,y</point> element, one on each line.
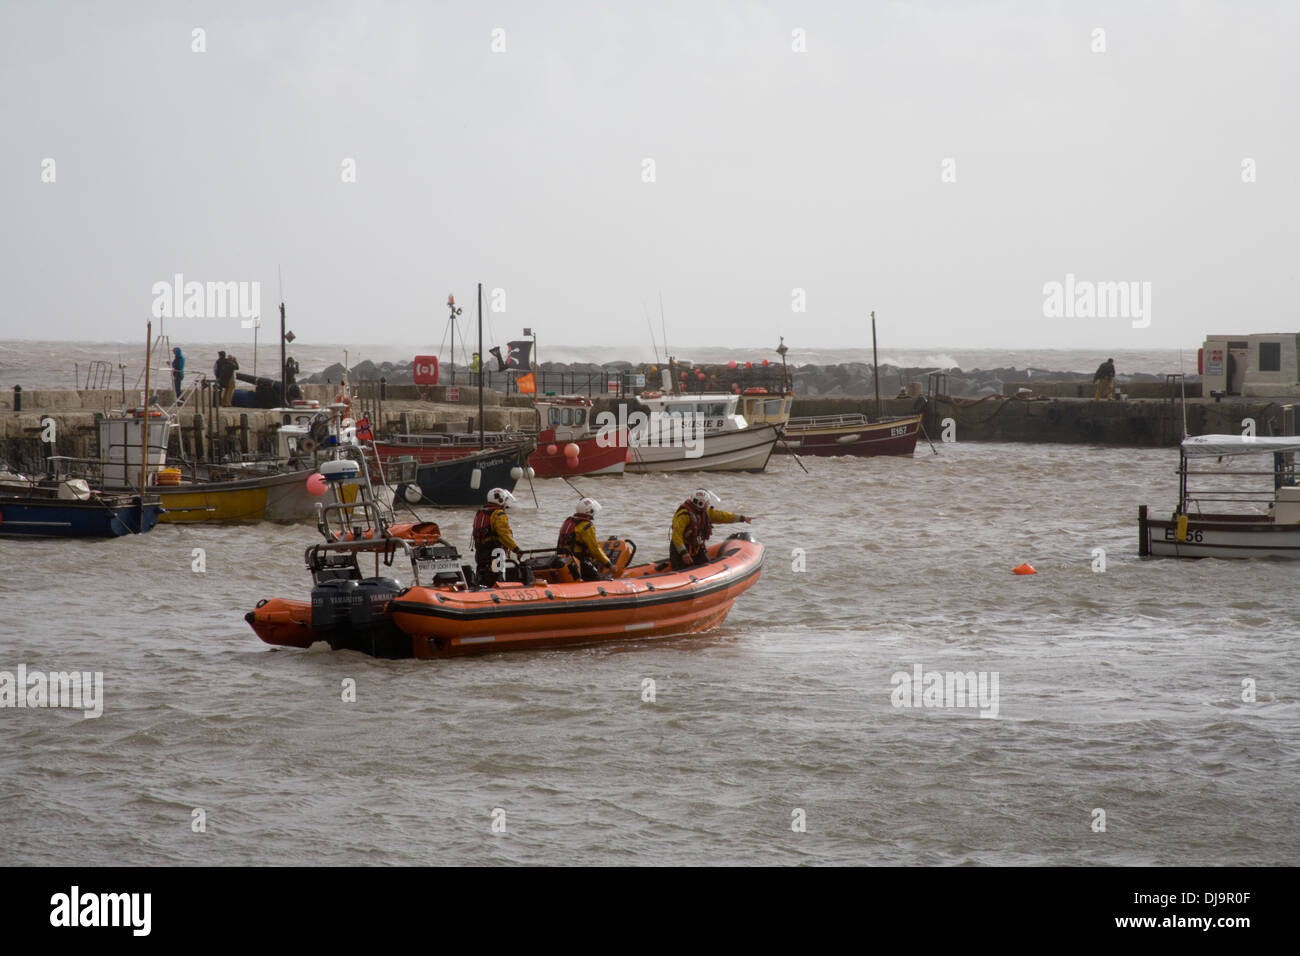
<point>231,432</point>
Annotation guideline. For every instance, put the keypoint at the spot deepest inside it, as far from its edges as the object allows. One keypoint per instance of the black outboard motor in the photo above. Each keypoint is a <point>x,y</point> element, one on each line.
<point>373,630</point>
<point>331,611</point>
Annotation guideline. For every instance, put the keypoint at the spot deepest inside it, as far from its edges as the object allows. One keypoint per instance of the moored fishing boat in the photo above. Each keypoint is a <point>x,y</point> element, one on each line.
<point>440,614</point>
<point>698,432</point>
<point>851,435</point>
<point>1270,530</point>
<point>465,481</point>
<point>565,442</point>
<point>70,509</point>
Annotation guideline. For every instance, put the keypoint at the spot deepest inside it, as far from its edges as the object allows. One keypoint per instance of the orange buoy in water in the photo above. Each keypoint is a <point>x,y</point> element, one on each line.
<point>1024,569</point>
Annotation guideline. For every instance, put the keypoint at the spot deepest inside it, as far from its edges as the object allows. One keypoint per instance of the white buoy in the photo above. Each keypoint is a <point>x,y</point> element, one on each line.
<point>529,471</point>
<point>516,473</point>
<point>476,478</point>
<point>412,494</point>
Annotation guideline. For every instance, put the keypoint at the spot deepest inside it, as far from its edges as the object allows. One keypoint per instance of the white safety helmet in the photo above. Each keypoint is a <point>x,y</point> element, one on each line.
<point>703,498</point>
<point>589,507</point>
<point>499,496</point>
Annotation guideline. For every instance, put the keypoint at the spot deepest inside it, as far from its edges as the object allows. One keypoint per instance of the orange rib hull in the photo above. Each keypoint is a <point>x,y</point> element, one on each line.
<point>646,601</point>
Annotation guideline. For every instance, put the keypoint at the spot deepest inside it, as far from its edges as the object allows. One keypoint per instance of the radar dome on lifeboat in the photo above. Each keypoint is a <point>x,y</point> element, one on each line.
<point>339,470</point>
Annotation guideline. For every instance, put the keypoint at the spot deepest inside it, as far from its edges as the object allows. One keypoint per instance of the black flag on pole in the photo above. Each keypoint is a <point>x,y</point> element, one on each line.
<point>517,356</point>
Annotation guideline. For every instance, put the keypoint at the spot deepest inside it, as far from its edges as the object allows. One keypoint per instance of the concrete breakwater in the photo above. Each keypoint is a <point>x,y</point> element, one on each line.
<point>846,379</point>
<point>1139,423</point>
<point>228,433</point>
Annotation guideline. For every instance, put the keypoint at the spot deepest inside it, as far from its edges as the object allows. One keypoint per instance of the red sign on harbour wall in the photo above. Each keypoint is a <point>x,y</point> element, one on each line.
<point>426,370</point>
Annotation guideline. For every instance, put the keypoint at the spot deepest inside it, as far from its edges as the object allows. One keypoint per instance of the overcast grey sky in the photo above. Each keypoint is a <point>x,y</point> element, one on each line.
<point>775,169</point>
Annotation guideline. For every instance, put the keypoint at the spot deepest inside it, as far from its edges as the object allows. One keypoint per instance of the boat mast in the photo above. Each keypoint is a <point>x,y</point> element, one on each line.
<point>284,391</point>
<point>451,304</point>
<point>480,366</point>
<point>875,364</point>
<point>144,419</point>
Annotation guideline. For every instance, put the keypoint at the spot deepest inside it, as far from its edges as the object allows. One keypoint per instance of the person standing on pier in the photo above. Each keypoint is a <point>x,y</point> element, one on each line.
<point>1105,379</point>
<point>228,382</point>
<point>178,371</point>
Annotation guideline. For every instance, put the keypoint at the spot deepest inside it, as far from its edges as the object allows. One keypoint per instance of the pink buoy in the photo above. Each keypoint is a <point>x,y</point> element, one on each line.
<point>571,450</point>
<point>731,364</point>
<point>572,462</point>
<point>551,450</point>
<point>316,485</point>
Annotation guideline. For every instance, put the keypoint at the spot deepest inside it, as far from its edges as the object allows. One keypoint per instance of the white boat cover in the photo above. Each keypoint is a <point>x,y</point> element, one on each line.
<point>1205,446</point>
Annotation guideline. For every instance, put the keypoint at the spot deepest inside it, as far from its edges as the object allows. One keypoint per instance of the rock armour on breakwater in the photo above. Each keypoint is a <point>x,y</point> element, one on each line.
<point>814,381</point>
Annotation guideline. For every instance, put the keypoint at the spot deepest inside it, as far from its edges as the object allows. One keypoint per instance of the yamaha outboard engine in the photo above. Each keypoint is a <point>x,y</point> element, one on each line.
<point>373,630</point>
<point>331,611</point>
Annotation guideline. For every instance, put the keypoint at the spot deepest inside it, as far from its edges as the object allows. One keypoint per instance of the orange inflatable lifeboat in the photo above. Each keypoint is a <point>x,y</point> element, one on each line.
<point>543,603</point>
<point>446,617</point>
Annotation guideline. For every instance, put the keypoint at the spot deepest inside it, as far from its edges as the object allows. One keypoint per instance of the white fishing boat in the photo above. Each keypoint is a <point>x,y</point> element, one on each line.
<point>1220,515</point>
<point>701,432</point>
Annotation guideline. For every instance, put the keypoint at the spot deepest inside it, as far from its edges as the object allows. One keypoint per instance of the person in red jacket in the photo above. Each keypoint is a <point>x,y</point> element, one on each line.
<point>692,524</point>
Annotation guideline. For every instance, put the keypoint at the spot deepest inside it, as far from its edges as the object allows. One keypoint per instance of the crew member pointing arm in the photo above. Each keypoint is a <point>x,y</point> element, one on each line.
<point>692,524</point>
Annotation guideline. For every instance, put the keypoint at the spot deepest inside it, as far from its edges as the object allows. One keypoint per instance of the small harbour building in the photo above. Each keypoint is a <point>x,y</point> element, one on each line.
<point>1266,365</point>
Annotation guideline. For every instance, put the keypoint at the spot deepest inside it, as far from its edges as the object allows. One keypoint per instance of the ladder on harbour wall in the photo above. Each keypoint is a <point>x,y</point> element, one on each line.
<point>99,375</point>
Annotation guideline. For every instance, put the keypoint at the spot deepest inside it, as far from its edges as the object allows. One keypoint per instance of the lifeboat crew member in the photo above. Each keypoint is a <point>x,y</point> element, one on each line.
<point>692,524</point>
<point>578,538</point>
<point>492,533</point>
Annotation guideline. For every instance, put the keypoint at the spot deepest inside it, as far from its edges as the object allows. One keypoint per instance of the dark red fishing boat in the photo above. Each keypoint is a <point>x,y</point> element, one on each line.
<point>851,435</point>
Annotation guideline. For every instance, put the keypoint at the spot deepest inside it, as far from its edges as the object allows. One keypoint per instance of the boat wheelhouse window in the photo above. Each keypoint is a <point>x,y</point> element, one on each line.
<point>773,406</point>
<point>579,416</point>
<point>555,415</point>
<point>1270,356</point>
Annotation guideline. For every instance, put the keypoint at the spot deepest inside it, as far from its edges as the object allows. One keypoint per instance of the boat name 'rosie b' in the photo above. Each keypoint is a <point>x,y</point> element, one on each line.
<point>74,689</point>
<point>656,430</point>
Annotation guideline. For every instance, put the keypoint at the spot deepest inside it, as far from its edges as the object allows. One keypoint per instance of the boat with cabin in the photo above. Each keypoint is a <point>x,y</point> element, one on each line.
<point>566,442</point>
<point>1222,511</point>
<point>703,431</point>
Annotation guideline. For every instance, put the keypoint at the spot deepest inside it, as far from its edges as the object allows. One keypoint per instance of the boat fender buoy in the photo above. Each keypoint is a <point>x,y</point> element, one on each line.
<point>1024,569</point>
<point>1181,532</point>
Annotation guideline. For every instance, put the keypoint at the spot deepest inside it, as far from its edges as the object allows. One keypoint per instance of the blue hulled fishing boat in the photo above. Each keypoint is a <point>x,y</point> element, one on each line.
<point>69,509</point>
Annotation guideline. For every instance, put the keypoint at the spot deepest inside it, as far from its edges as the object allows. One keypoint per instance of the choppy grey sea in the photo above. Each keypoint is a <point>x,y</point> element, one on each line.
<point>1144,714</point>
